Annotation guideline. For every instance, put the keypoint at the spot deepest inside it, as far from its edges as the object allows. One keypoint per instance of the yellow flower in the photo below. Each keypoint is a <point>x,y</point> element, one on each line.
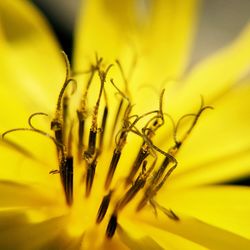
<point>145,174</point>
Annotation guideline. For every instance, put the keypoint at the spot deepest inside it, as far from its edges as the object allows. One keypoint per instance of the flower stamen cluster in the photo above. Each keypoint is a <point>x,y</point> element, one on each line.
<point>145,176</point>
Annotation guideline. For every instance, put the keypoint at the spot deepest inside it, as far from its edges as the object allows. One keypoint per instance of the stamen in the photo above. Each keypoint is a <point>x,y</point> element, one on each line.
<point>104,121</point>
<point>168,212</point>
<point>151,126</point>
<point>155,185</point>
<point>124,77</point>
<point>70,141</point>
<point>81,115</point>
<point>197,116</point>
<point>32,116</point>
<point>119,91</point>
<point>141,156</point>
<point>81,112</point>
<point>134,189</point>
<point>66,171</point>
<point>144,174</point>
<point>65,166</point>
<point>90,176</point>
<point>124,96</point>
<point>65,104</point>
<point>93,130</point>
<point>112,225</point>
<point>59,146</point>
<point>112,167</point>
<point>160,171</point>
<point>158,187</point>
<point>120,143</point>
<point>103,207</point>
<point>57,124</point>
<point>145,148</point>
<point>92,144</point>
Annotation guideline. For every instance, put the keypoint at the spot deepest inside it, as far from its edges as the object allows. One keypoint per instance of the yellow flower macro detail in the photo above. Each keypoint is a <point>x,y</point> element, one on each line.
<point>124,148</point>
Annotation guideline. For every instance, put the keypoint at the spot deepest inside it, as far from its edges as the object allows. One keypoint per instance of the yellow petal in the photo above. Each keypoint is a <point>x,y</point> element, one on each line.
<point>215,75</point>
<point>18,195</point>
<point>152,43</point>
<point>143,243</point>
<point>156,35</point>
<point>226,207</point>
<point>12,217</point>
<point>34,171</point>
<point>13,112</point>
<point>31,63</point>
<point>143,236</point>
<point>218,148</point>
<point>194,230</point>
<point>168,38</point>
<point>30,236</point>
<point>63,241</point>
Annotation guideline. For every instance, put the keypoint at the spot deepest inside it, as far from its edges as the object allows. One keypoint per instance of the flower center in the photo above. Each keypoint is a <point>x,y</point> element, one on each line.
<point>108,159</point>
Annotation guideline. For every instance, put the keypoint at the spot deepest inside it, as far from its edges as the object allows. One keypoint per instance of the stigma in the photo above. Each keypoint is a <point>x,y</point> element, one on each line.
<point>107,154</point>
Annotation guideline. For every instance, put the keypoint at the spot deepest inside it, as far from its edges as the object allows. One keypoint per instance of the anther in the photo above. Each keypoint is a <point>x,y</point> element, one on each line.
<point>141,156</point>
<point>134,189</point>
<point>120,143</point>
<point>81,125</point>
<point>81,112</point>
<point>158,174</point>
<point>112,225</point>
<point>156,182</point>
<point>90,176</point>
<point>103,207</point>
<point>66,172</point>
<point>112,167</point>
<point>57,127</point>
<point>92,143</point>
<point>160,184</point>
<point>104,121</point>
<point>93,130</point>
<point>65,104</point>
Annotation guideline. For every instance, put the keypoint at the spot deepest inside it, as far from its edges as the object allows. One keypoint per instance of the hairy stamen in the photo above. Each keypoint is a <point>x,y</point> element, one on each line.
<point>94,127</point>
<point>82,111</point>
<point>157,122</point>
